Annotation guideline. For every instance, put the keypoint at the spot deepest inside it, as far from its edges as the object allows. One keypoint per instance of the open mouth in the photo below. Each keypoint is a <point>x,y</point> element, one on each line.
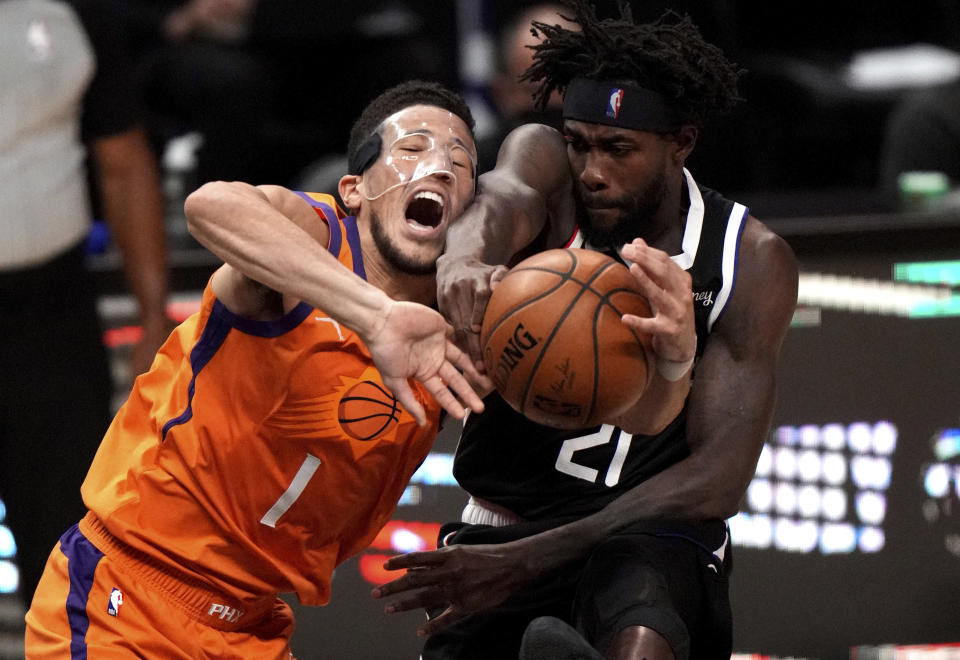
<point>426,208</point>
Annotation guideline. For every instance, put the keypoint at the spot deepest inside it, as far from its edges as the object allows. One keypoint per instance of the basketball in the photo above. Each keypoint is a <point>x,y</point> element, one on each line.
<point>553,342</point>
<point>367,409</point>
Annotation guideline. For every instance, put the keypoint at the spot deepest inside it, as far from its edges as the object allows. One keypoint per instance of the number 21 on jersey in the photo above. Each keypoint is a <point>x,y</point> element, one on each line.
<point>605,434</point>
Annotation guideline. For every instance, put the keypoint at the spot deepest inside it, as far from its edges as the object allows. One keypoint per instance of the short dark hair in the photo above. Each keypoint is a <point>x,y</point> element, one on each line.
<point>395,99</point>
<point>668,56</point>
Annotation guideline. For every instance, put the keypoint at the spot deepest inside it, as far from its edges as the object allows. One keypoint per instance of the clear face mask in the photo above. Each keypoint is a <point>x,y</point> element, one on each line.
<point>416,154</point>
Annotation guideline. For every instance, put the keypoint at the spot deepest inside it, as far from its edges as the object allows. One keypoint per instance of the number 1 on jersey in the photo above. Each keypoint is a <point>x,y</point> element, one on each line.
<point>294,490</point>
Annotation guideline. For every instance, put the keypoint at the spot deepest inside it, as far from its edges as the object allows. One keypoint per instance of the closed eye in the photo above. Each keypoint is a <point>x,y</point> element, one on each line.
<point>617,149</point>
<point>575,143</point>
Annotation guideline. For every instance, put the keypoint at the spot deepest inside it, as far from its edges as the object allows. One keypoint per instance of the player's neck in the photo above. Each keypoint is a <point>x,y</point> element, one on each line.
<point>398,284</point>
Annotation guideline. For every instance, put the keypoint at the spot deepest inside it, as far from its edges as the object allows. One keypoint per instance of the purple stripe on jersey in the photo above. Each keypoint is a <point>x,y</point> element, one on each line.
<point>331,217</point>
<point>82,559</point>
<point>353,238</point>
<point>269,329</point>
<point>310,200</point>
<point>211,339</point>
<point>328,211</point>
<point>335,236</point>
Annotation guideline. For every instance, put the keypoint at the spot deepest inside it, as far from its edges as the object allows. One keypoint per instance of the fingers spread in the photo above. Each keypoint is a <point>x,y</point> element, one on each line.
<point>401,389</point>
<point>444,396</point>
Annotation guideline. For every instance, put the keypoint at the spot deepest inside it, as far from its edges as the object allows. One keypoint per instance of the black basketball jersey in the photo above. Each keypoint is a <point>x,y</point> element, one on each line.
<point>540,472</point>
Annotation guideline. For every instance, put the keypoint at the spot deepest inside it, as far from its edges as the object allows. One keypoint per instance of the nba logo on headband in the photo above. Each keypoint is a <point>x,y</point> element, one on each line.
<point>613,105</point>
<point>601,102</point>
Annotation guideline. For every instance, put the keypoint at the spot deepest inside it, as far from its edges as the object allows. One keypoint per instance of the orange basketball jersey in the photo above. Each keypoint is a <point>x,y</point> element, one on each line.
<point>232,461</point>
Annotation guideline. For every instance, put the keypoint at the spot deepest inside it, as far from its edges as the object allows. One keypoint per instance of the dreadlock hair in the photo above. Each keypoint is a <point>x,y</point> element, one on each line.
<point>393,100</point>
<point>668,56</point>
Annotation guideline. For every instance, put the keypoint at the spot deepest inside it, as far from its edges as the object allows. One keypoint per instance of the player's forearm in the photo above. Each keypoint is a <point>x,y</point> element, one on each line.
<point>516,199</point>
<point>505,216</point>
<point>239,224</point>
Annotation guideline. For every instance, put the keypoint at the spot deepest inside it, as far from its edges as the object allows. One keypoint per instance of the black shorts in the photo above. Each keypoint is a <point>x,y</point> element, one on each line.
<point>663,577</point>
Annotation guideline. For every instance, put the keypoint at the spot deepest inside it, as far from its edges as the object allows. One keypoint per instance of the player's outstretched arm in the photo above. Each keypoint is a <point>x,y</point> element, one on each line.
<point>729,417</point>
<point>529,187</point>
<point>271,241</point>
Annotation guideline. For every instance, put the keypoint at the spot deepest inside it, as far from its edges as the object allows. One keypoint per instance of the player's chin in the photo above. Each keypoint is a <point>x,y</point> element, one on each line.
<point>420,261</point>
<point>604,218</point>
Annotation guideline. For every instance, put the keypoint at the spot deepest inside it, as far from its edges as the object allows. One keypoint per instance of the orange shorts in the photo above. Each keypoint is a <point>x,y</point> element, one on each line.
<point>104,605</point>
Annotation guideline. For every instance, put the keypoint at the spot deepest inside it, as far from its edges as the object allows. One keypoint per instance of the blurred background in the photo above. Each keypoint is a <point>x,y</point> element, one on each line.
<point>848,542</point>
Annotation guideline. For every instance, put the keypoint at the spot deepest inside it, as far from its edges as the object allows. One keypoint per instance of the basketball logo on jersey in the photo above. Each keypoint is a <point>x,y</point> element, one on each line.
<point>613,105</point>
<point>367,410</point>
<point>116,600</point>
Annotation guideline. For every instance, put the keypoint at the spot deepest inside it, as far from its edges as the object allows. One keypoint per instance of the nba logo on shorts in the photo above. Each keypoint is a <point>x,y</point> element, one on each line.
<point>116,600</point>
<point>613,106</point>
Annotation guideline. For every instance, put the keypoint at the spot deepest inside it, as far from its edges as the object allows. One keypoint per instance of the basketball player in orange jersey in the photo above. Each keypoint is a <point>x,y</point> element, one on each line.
<point>244,464</point>
<point>608,542</point>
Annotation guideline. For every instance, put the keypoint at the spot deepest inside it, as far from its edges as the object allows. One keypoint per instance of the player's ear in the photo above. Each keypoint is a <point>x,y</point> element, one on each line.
<point>686,140</point>
<point>349,189</point>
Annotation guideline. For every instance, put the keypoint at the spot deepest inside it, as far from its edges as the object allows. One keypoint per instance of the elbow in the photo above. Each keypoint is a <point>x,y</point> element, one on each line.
<point>199,205</point>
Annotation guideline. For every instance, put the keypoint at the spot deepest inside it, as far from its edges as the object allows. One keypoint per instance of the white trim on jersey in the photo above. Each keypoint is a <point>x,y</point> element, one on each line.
<point>694,225</point>
<point>731,248</point>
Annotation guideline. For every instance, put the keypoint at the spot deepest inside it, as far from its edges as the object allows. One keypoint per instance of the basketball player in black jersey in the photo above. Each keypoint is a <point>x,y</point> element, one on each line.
<point>611,542</point>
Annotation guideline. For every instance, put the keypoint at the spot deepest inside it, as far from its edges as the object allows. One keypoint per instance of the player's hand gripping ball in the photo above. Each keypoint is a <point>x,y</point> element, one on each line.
<point>553,342</point>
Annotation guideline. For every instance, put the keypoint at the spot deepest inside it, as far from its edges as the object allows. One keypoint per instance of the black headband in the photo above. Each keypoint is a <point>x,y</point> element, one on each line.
<point>616,104</point>
<point>365,155</point>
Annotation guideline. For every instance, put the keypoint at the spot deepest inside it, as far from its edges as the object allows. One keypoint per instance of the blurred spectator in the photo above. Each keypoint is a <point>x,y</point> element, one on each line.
<point>923,135</point>
<point>513,99</point>
<point>62,76</point>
